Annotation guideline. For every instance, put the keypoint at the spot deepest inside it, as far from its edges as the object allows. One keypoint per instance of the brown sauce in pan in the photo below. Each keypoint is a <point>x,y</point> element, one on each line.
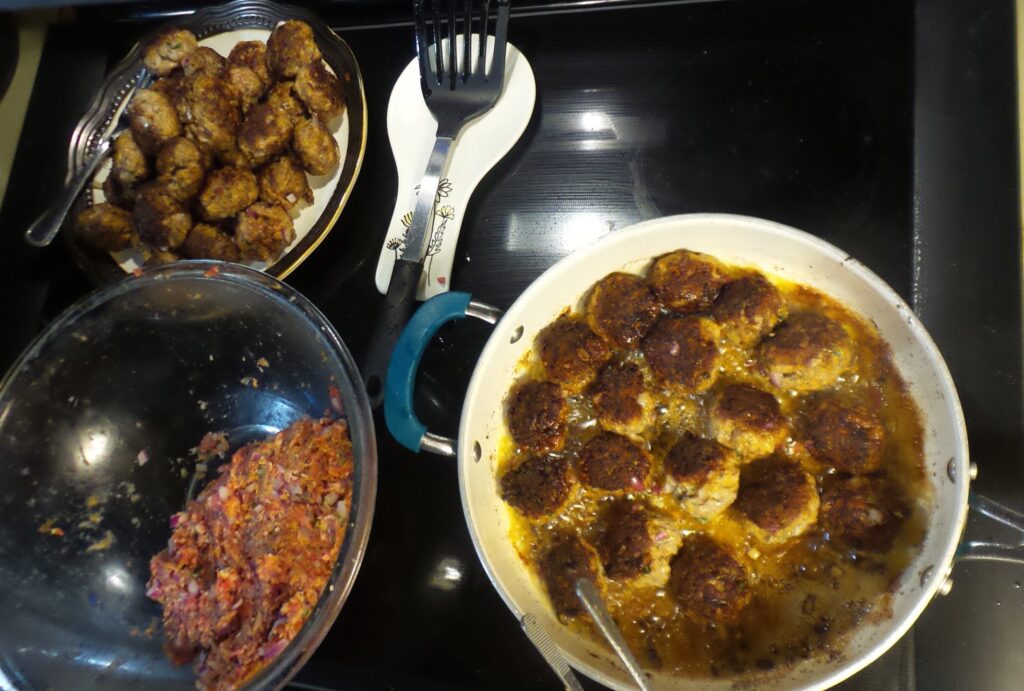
<point>808,593</point>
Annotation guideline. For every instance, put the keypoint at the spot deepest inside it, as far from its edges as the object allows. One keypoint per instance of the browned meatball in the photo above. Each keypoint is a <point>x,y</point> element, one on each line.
<point>625,543</point>
<point>105,227</point>
<point>703,475</point>
<point>683,352</point>
<point>246,86</point>
<point>159,257</point>
<point>204,60</point>
<point>282,97</point>
<point>291,46</point>
<point>174,87</point>
<point>536,413</point>
<point>316,148</point>
<point>320,90</point>
<point>863,513</point>
<point>747,420</point>
<point>209,113</point>
<point>179,166</point>
<point>264,133</point>
<point>778,497</point>
<point>612,462</point>
<point>129,163</point>
<point>161,221</point>
<point>153,120</point>
<point>621,308</point>
<point>283,182</point>
<point>806,352</point>
<point>748,309</point>
<point>848,437</point>
<point>620,399</point>
<point>708,582</point>
<point>264,231</point>
<point>227,191</point>
<point>165,53</point>
<point>209,242</point>
<point>565,562</point>
<point>538,486</point>
<point>686,281</point>
<point>570,352</point>
<point>252,55</point>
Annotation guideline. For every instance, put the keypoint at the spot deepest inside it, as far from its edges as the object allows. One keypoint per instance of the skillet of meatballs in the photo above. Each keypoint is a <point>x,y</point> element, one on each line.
<point>717,450</point>
<point>217,158</point>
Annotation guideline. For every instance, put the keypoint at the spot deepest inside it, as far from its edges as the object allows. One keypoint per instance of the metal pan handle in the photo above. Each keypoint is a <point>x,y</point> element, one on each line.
<point>400,382</point>
<point>993,551</point>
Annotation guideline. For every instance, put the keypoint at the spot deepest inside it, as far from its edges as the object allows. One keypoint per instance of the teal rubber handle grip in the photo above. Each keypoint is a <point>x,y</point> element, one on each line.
<point>399,416</point>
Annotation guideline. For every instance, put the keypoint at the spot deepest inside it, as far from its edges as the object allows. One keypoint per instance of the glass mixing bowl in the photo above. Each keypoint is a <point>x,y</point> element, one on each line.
<point>97,420</point>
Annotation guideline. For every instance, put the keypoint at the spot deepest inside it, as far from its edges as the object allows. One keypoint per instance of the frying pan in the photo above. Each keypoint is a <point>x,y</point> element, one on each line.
<point>774,249</point>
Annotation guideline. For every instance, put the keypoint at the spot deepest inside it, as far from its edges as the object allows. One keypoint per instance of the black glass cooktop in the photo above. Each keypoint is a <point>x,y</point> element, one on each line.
<point>887,128</point>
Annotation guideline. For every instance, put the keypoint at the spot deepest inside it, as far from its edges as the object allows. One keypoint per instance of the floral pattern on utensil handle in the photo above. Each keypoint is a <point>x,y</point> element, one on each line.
<point>442,214</point>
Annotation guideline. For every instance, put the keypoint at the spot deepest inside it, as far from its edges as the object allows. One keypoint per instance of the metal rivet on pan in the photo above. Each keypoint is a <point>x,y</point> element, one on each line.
<point>926,574</point>
<point>973,472</point>
<point>946,587</point>
<point>951,470</point>
<point>517,334</point>
<point>477,452</point>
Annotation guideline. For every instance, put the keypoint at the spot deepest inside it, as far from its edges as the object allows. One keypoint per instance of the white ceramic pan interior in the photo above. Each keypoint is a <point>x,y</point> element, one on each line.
<point>776,250</point>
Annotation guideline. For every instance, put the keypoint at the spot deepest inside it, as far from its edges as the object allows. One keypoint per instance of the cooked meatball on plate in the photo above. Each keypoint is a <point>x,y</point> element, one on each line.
<point>739,514</point>
<point>235,97</point>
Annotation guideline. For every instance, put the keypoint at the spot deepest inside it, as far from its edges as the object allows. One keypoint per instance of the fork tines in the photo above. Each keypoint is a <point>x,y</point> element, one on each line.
<point>434,23</point>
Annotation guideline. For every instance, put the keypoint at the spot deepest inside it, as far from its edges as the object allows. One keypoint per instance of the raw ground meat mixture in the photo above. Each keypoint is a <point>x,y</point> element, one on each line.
<point>249,557</point>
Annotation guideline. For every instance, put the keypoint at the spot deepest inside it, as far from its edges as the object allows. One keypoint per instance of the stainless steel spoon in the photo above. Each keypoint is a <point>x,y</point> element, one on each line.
<point>593,603</point>
<point>44,229</point>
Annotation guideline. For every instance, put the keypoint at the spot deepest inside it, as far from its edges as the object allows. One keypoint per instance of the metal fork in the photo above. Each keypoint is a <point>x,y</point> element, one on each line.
<point>456,92</point>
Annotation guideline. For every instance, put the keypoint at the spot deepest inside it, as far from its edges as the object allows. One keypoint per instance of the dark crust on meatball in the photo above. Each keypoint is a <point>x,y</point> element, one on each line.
<point>538,486</point>
<point>174,87</point>
<point>693,459</point>
<point>290,46</point>
<point>264,231</point>
<point>119,195</point>
<point>749,407</point>
<point>167,51</point>
<point>707,581</point>
<point>806,341</point>
<point>568,560</point>
<point>160,220</point>
<point>683,352</point>
<point>616,391</point>
<point>283,182</point>
<point>264,133</point>
<point>227,192</point>
<point>773,492</point>
<point>179,166</point>
<point>315,147</point>
<point>320,90</point>
<point>622,308</point>
<point>204,60</point>
<point>209,242</point>
<point>129,162</point>
<point>847,437</point>
<point>536,413</point>
<point>210,114</point>
<point>612,462</point>
<point>686,281</point>
<point>864,513</point>
<point>625,545</point>
<point>251,54</point>
<point>570,351</point>
<point>105,227</point>
<point>748,308</point>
